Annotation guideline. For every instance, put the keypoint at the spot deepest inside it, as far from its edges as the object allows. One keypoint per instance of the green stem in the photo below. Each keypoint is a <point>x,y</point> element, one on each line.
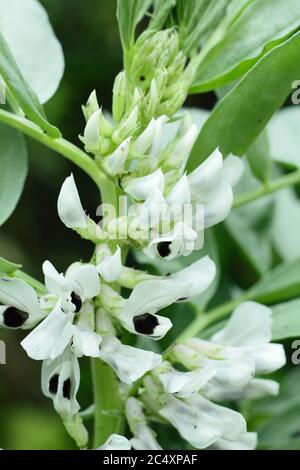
<point>60,145</point>
<point>276,185</point>
<point>201,322</point>
<point>108,404</point>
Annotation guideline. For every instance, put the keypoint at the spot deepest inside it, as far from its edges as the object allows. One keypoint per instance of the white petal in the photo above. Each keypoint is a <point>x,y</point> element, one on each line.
<point>91,135</point>
<point>198,276</point>
<point>250,324</point>
<point>114,164</point>
<point>247,441</point>
<point>185,144</point>
<point>199,429</point>
<point>110,267</point>
<point>129,363</point>
<point>116,442</point>
<point>144,437</point>
<point>257,388</point>
<point>55,282</point>
<point>158,140</point>
<point>185,384</point>
<point>152,296</point>
<point>217,204</point>
<point>233,169</point>
<point>234,425</point>
<point>85,280</point>
<point>85,342</point>
<point>206,176</point>
<point>65,369</point>
<point>144,142</point>
<point>235,372</point>
<point>180,193</point>
<point>152,211</point>
<point>69,206</point>
<point>268,358</point>
<point>50,338</point>
<point>16,293</point>
<point>141,188</point>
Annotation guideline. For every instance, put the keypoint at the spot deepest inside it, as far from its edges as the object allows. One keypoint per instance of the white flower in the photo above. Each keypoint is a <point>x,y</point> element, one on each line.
<point>250,331</point>
<point>50,338</point>
<point>239,351</point>
<point>137,314</point>
<point>141,188</point>
<point>144,437</point>
<point>110,266</point>
<point>21,307</point>
<point>69,206</point>
<point>201,422</point>
<point>116,442</point>
<point>184,384</point>
<point>60,382</point>
<point>200,429</point>
<point>129,363</point>
<point>180,241</point>
<point>211,184</point>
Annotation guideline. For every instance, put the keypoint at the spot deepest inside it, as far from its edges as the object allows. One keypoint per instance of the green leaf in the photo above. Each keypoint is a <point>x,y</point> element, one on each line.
<point>204,19</point>
<point>259,25</point>
<point>283,131</point>
<point>162,9</point>
<point>248,226</point>
<point>129,14</point>
<point>32,41</point>
<point>277,419</point>
<point>286,225</point>
<point>259,158</point>
<point>286,320</point>
<point>282,283</point>
<point>7,266</point>
<point>21,91</point>
<point>13,170</point>
<point>245,111</point>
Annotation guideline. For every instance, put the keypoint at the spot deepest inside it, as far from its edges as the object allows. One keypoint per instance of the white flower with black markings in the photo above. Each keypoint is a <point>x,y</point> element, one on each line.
<point>49,339</point>
<point>21,307</point>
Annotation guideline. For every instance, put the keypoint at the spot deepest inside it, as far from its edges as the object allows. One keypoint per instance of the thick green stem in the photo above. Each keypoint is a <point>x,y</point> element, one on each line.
<point>109,416</point>
<point>60,145</point>
<point>276,185</point>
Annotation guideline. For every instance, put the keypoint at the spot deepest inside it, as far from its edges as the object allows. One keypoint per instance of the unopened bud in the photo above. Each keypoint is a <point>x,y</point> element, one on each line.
<point>119,96</point>
<point>91,106</point>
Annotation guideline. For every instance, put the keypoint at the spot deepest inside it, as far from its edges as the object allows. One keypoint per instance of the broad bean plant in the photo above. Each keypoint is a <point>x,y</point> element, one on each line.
<point>167,176</point>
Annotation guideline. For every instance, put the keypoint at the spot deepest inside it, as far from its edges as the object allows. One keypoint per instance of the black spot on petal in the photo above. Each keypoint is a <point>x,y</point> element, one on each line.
<point>76,300</point>
<point>53,384</point>
<point>182,299</point>
<point>163,249</point>
<point>145,324</point>
<point>67,389</point>
<point>14,318</point>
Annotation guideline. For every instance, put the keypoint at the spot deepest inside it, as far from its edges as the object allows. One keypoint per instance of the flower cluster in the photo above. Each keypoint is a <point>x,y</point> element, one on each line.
<point>222,370</point>
<point>143,150</point>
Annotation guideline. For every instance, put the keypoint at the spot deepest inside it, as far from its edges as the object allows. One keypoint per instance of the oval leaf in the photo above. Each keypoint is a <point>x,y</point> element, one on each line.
<point>13,170</point>
<point>261,23</point>
<point>26,28</point>
<point>245,111</point>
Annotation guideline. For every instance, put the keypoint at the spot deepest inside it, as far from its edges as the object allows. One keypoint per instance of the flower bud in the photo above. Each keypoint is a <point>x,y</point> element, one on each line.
<point>119,96</point>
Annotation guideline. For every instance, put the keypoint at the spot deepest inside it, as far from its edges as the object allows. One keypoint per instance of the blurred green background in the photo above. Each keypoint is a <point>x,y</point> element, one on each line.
<point>88,33</point>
